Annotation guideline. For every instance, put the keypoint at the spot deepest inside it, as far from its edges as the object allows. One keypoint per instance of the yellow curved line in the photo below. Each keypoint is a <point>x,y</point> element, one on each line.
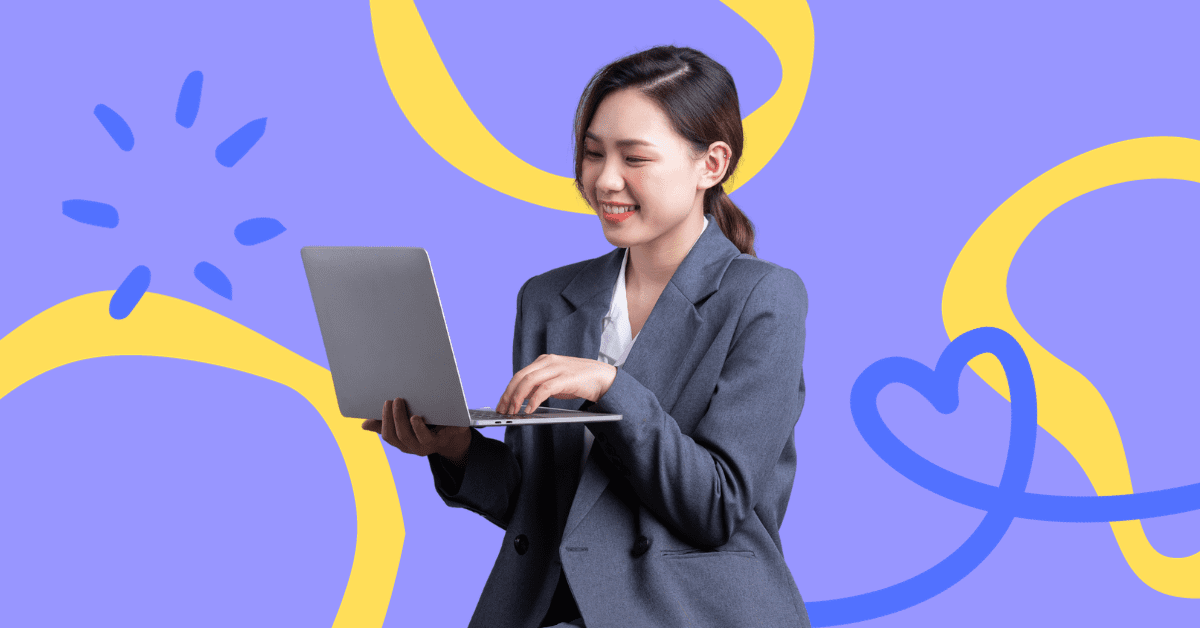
<point>433,105</point>
<point>81,328</point>
<point>1069,406</point>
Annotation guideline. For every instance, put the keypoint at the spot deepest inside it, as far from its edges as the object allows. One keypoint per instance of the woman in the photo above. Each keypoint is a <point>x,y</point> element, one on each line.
<point>670,516</point>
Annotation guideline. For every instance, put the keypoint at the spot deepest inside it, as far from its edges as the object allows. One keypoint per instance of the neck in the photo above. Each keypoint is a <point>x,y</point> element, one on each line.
<point>655,262</point>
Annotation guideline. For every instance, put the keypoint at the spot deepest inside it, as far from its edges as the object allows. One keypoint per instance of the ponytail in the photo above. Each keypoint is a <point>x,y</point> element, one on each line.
<point>733,223</point>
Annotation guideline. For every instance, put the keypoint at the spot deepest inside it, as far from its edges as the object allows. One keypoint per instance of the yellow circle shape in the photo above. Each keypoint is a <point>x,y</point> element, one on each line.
<point>437,111</point>
<point>81,328</point>
<point>1069,406</point>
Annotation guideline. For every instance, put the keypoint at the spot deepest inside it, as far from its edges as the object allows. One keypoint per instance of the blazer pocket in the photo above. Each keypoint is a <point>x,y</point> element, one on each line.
<point>699,553</point>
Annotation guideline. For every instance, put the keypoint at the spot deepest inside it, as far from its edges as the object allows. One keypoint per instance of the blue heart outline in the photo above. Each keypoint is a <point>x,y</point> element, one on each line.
<point>1002,503</point>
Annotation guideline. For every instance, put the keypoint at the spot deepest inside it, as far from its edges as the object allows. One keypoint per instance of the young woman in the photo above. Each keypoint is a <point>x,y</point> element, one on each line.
<point>670,516</point>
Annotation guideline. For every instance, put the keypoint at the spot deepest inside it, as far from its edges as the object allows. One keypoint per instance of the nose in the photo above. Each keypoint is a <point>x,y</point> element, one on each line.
<point>611,178</point>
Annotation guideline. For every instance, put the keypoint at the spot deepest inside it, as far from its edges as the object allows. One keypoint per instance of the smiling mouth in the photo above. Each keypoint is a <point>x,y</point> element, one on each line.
<point>609,209</point>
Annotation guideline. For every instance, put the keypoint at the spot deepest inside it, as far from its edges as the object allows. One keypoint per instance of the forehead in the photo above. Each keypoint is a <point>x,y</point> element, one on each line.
<point>630,115</point>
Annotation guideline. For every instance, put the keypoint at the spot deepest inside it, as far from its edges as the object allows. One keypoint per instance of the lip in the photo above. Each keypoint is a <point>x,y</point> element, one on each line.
<point>617,218</point>
<point>624,211</point>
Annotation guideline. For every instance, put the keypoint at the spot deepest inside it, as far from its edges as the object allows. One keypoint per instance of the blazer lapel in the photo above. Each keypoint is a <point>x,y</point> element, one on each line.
<point>591,486</point>
<point>578,334</point>
<point>671,329</point>
<point>664,341</point>
<point>590,293</point>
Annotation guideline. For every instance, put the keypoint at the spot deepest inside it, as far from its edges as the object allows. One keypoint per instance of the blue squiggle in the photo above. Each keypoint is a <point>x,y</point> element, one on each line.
<point>1003,503</point>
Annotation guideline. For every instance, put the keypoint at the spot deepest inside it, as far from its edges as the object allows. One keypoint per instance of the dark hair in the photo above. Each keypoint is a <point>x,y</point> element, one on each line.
<point>698,97</point>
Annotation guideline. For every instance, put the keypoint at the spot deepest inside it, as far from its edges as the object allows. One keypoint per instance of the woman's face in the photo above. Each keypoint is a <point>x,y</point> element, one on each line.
<point>639,175</point>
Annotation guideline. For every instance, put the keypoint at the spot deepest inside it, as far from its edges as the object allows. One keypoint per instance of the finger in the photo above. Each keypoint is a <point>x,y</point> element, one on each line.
<point>403,426</point>
<point>385,425</point>
<point>522,396</point>
<point>502,406</point>
<point>528,386</point>
<point>421,432</point>
<point>390,429</point>
<point>542,393</point>
<point>509,403</point>
<point>373,425</point>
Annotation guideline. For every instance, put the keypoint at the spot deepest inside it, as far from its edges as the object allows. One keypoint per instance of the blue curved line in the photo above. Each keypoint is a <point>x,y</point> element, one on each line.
<point>91,213</point>
<point>257,230</point>
<point>923,586</point>
<point>214,279</point>
<point>1090,509</point>
<point>129,293</point>
<point>116,126</point>
<point>189,100</point>
<point>968,492</point>
<point>1002,503</point>
<point>237,145</point>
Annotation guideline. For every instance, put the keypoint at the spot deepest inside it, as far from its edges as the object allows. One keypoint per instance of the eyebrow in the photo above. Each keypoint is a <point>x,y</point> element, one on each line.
<point>621,143</point>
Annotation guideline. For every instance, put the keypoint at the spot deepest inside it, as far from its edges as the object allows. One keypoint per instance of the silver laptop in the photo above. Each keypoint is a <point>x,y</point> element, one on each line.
<point>386,337</point>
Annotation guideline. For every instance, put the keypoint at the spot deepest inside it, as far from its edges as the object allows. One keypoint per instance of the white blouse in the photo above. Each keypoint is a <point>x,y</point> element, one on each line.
<point>617,338</point>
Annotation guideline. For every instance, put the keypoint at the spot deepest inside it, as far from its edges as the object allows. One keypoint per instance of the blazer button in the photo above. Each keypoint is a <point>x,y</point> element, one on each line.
<point>521,544</point>
<point>640,547</point>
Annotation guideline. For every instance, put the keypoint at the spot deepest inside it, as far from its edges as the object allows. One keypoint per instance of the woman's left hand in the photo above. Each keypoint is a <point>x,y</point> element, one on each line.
<point>556,376</point>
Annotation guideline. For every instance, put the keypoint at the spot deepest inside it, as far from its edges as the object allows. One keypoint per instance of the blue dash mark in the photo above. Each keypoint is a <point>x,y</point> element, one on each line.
<point>116,126</point>
<point>214,279</point>
<point>240,143</point>
<point>257,230</point>
<point>91,212</point>
<point>129,293</point>
<point>189,100</point>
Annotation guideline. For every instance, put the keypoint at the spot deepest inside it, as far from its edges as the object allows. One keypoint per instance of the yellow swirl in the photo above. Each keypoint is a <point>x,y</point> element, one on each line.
<point>81,329</point>
<point>1069,406</point>
<point>427,96</point>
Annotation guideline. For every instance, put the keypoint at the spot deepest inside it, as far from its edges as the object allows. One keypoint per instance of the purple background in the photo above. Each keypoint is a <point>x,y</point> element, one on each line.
<point>145,491</point>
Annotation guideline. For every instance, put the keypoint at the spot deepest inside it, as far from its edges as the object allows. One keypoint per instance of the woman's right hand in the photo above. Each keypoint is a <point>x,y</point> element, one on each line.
<point>409,434</point>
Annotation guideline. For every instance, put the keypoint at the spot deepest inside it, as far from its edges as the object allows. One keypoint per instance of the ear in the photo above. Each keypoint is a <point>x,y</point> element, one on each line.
<point>715,163</point>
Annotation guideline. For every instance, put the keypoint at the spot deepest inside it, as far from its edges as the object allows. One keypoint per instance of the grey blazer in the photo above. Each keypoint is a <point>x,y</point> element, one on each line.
<point>675,520</point>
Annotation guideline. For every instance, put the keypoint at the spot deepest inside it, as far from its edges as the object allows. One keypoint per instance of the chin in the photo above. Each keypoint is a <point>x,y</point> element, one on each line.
<point>615,241</point>
<point>621,241</point>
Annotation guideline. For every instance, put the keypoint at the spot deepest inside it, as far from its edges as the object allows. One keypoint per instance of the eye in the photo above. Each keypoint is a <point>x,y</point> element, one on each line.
<point>591,153</point>
<point>634,160</point>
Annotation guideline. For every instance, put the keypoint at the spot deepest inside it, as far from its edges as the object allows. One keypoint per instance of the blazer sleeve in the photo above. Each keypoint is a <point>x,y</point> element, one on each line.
<point>705,484</point>
<point>492,477</point>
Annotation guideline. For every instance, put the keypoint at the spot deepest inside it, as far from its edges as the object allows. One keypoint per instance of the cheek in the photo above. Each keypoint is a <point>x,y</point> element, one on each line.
<point>656,189</point>
<point>588,178</point>
<point>641,185</point>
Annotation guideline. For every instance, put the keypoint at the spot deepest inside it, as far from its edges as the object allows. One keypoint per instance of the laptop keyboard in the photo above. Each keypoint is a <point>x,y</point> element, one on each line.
<point>496,418</point>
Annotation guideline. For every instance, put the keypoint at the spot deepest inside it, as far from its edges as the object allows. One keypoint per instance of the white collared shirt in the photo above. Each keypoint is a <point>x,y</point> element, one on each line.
<point>617,338</point>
